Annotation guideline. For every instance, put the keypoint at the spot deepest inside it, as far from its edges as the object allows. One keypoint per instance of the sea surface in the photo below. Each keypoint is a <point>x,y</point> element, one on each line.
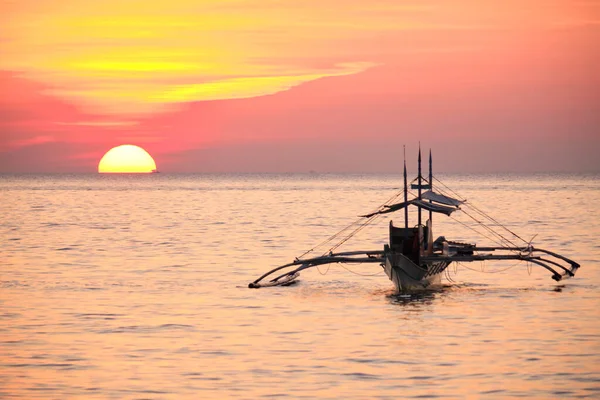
<point>135,286</point>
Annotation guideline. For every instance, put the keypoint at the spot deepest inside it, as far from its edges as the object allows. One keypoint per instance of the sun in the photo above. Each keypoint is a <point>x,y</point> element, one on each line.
<point>127,158</point>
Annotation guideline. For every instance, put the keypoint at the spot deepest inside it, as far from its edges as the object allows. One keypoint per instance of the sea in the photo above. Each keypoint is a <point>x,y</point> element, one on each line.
<point>136,287</point>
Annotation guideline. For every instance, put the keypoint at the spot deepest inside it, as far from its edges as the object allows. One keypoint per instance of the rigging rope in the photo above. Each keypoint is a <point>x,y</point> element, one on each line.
<point>499,243</point>
<point>353,233</point>
<point>488,228</point>
<point>447,272</point>
<point>493,232</point>
<point>488,272</point>
<point>329,239</point>
<point>356,273</point>
<point>476,231</point>
<point>326,271</point>
<point>483,213</point>
<point>366,223</point>
<point>361,225</point>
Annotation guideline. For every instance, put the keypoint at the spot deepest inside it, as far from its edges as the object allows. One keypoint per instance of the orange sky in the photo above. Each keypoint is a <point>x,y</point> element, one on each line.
<point>328,85</point>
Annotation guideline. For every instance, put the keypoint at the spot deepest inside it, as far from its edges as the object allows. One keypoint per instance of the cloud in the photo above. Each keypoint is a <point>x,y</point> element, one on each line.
<point>29,117</point>
<point>128,58</point>
<point>43,157</point>
<point>100,123</point>
<point>31,141</point>
<point>236,88</point>
<point>131,57</point>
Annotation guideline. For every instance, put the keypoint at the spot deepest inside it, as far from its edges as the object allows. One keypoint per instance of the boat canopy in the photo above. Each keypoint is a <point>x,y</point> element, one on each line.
<point>440,198</point>
<point>438,208</point>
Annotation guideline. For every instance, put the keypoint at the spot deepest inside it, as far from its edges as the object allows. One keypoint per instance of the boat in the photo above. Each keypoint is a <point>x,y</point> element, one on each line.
<point>412,260</point>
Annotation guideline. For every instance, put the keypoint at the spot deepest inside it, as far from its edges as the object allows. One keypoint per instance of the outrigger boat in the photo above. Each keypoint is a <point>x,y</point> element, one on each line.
<point>413,260</point>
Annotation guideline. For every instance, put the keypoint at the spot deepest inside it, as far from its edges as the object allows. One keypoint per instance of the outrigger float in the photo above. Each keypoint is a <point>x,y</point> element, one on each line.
<point>413,260</point>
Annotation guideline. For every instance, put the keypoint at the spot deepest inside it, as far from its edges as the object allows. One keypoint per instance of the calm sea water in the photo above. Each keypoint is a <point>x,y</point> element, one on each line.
<point>136,287</point>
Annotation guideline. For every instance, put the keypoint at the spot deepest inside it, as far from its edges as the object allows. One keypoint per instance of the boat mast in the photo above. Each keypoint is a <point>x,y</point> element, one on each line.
<point>419,182</point>
<point>405,196</point>
<point>430,184</point>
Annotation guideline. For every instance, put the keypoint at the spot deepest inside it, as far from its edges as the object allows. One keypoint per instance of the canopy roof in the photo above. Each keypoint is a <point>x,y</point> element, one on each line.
<point>448,206</point>
<point>438,208</point>
<point>440,198</point>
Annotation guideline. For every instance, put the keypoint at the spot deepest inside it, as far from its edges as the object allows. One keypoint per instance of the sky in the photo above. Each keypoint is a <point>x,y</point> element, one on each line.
<point>297,86</point>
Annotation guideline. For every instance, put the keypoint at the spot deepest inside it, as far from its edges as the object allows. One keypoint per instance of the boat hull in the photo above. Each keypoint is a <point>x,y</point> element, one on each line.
<point>409,277</point>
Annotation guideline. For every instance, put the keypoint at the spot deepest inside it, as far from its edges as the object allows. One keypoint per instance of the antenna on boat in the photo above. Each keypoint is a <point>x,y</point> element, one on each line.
<point>419,183</point>
<point>405,197</point>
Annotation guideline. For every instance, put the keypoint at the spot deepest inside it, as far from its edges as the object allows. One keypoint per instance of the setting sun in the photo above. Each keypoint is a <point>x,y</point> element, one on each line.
<point>127,158</point>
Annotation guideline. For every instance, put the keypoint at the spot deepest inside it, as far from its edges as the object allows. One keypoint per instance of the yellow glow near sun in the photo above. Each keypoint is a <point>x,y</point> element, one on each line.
<point>127,158</point>
<point>133,57</point>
